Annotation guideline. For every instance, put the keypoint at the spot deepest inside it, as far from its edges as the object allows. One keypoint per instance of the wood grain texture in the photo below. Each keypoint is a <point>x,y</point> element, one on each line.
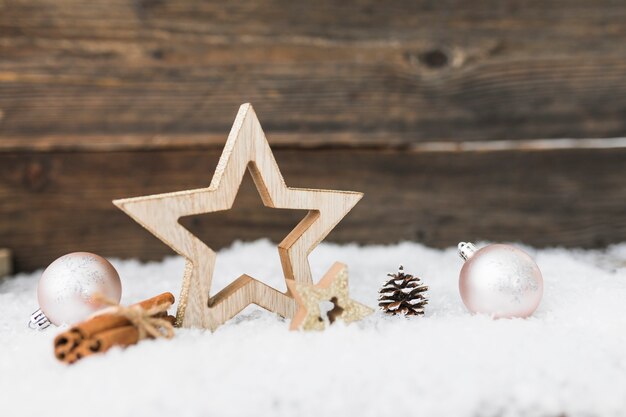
<point>60,202</point>
<point>403,71</point>
<point>6,262</point>
<point>246,150</point>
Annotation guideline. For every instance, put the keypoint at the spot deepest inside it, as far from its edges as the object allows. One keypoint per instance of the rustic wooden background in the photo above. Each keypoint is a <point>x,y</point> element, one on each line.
<point>484,119</point>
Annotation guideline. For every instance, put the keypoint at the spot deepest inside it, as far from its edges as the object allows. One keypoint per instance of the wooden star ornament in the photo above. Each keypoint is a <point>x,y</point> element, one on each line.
<point>246,148</point>
<point>333,287</point>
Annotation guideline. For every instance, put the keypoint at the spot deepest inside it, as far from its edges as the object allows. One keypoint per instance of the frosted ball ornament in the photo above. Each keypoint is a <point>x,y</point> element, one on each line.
<point>67,286</point>
<point>500,280</point>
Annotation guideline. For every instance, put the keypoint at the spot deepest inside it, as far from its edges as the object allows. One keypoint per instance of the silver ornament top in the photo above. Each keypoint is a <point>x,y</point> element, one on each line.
<point>466,250</point>
<point>38,321</point>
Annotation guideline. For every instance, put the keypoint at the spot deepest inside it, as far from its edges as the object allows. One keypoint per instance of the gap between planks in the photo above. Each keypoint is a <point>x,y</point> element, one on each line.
<point>122,143</point>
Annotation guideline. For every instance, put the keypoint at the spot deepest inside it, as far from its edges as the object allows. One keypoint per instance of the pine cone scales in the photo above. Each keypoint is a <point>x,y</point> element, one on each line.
<point>403,294</point>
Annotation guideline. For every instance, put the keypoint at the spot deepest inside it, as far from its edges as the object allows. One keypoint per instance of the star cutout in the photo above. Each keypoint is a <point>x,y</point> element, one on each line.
<point>246,148</point>
<point>332,287</point>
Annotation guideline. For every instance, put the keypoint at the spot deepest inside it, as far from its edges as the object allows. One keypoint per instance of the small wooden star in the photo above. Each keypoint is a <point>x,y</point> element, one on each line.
<point>332,287</point>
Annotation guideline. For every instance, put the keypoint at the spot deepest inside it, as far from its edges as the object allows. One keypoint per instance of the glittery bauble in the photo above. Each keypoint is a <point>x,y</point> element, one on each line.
<point>499,280</point>
<point>67,286</point>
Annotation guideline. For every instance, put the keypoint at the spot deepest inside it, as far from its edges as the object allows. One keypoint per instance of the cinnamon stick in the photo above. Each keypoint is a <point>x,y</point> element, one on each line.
<point>72,339</point>
<point>103,322</point>
<point>103,341</point>
<point>71,357</point>
<point>65,343</point>
<point>120,336</point>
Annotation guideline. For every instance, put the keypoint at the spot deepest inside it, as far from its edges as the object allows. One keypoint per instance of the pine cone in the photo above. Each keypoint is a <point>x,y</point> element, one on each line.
<point>403,294</point>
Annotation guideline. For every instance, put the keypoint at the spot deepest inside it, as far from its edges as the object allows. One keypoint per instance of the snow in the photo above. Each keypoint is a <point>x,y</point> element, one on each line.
<point>569,358</point>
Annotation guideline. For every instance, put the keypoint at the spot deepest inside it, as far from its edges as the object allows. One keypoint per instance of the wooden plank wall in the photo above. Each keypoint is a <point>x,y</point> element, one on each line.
<point>459,120</point>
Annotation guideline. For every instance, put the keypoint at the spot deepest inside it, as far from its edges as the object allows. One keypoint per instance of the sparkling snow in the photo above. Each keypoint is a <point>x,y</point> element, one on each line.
<point>568,359</point>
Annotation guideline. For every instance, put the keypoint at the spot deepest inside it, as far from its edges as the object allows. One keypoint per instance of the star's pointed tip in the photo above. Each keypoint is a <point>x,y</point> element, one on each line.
<point>245,110</point>
<point>119,203</point>
<point>339,265</point>
<point>354,197</point>
<point>122,203</point>
<point>126,205</point>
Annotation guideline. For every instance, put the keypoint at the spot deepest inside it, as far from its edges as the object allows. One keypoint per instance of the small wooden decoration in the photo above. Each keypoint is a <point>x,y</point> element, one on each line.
<point>6,264</point>
<point>246,148</point>
<point>332,287</point>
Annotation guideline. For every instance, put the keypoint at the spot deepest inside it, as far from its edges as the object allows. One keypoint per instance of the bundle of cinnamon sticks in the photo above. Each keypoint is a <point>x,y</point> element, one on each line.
<point>105,331</point>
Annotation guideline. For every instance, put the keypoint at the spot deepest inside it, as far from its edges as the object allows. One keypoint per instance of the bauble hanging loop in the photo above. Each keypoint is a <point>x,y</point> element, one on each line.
<point>500,280</point>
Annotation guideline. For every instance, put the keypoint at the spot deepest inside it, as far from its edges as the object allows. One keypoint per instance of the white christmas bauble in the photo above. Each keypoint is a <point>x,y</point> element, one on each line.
<point>500,280</point>
<point>66,288</point>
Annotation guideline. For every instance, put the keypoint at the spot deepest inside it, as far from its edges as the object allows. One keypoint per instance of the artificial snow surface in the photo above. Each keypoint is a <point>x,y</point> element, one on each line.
<point>569,358</point>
